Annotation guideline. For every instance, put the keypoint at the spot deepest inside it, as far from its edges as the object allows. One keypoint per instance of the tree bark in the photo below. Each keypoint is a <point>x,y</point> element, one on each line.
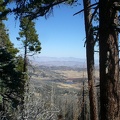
<point>109,61</point>
<point>83,101</point>
<point>90,60</point>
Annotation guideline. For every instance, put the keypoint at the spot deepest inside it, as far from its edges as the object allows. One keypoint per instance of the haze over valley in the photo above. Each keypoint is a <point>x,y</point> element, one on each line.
<point>59,82</point>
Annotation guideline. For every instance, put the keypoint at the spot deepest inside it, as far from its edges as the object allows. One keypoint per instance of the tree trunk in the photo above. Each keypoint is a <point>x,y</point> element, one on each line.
<point>83,101</point>
<point>90,60</point>
<point>109,61</point>
<point>24,115</point>
<point>25,56</point>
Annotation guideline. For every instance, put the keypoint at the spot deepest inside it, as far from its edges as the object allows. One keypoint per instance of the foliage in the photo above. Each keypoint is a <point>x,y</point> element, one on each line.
<point>2,9</point>
<point>20,62</point>
<point>10,78</point>
<point>11,82</point>
<point>5,41</point>
<point>4,36</point>
<point>28,35</point>
<point>32,8</point>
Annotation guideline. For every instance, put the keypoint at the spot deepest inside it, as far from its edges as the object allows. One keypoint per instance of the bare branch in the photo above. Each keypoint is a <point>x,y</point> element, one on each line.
<point>83,9</point>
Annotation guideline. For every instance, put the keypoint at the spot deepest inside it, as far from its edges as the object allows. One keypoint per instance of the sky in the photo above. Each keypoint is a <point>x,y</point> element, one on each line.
<point>61,34</point>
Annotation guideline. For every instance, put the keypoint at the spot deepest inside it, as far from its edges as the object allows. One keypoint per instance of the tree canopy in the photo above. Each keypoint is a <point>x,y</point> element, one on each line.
<point>28,36</point>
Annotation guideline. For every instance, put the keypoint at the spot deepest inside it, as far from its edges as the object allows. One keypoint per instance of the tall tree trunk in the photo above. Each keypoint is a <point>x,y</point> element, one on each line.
<point>109,61</point>
<point>24,115</point>
<point>83,101</point>
<point>90,60</point>
<point>25,56</point>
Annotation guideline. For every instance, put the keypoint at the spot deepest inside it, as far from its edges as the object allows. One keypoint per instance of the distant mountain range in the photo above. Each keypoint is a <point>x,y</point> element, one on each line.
<point>58,59</point>
<point>63,61</point>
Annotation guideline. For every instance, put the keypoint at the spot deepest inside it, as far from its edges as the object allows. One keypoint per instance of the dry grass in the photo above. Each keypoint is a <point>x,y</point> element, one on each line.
<point>72,73</point>
<point>76,74</point>
<point>62,85</point>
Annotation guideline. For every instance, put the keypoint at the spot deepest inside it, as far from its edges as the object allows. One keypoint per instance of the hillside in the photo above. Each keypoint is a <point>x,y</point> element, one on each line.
<point>60,87</point>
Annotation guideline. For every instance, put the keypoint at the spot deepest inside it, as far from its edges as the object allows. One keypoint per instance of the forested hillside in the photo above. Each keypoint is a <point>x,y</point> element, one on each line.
<point>61,89</point>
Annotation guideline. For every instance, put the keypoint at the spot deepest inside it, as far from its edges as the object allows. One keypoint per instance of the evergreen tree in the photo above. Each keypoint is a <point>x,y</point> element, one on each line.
<point>109,60</point>
<point>90,59</point>
<point>29,39</point>
<point>10,76</point>
<point>11,82</point>
<point>4,36</point>
<point>5,41</point>
<point>31,45</point>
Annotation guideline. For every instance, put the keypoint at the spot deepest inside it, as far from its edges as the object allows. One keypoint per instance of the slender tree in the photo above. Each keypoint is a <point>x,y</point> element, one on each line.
<point>109,60</point>
<point>90,59</point>
<point>29,39</point>
<point>31,45</point>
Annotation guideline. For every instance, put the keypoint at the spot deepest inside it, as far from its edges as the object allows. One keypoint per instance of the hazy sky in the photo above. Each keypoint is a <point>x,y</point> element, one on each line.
<point>61,34</point>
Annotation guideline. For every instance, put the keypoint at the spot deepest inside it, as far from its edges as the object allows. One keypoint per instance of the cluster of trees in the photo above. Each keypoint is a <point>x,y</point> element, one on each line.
<point>106,33</point>
<point>11,82</point>
<point>13,67</point>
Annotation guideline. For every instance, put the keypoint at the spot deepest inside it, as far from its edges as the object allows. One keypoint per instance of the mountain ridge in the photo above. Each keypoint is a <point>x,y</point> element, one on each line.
<point>60,61</point>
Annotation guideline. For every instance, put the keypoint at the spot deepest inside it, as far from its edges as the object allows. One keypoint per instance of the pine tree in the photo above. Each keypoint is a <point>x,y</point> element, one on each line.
<point>11,82</point>
<point>31,45</point>
<point>4,36</point>
<point>10,75</point>
<point>5,41</point>
<point>109,60</point>
<point>29,39</point>
<point>90,59</point>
